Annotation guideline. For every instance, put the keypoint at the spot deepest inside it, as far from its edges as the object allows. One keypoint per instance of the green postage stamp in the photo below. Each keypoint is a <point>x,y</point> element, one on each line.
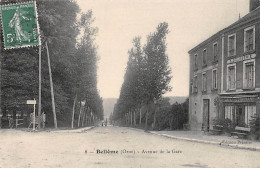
<point>20,25</point>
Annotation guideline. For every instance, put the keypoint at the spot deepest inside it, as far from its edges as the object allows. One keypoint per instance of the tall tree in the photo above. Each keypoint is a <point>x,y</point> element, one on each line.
<point>158,71</point>
<point>147,75</point>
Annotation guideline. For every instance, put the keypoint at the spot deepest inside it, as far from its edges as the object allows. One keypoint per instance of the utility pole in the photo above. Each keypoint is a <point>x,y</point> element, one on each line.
<point>52,92</point>
<point>40,81</point>
<point>73,111</point>
<point>34,115</point>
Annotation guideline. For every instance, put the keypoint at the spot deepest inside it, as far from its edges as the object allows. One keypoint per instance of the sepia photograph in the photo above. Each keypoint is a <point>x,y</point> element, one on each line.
<point>129,84</point>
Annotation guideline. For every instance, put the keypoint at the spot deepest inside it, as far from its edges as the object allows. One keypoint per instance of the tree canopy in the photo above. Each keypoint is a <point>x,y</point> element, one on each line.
<point>147,75</point>
<point>73,56</point>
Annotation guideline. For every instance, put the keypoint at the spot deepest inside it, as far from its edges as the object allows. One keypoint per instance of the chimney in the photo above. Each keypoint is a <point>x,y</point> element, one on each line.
<point>254,4</point>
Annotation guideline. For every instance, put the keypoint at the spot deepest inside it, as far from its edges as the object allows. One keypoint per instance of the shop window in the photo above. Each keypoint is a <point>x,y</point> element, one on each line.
<point>232,45</point>
<point>249,75</point>
<point>249,39</point>
<point>231,77</point>
<point>229,112</point>
<point>250,110</point>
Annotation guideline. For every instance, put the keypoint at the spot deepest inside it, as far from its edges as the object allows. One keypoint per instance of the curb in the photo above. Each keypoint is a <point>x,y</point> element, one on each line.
<point>80,130</point>
<point>235,146</point>
<point>85,130</point>
<point>137,129</point>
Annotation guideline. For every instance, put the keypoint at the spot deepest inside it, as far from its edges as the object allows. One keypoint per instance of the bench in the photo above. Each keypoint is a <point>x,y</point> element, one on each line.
<point>217,129</point>
<point>241,132</point>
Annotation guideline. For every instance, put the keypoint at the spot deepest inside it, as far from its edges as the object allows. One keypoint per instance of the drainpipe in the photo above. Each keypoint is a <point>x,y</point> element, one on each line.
<point>222,64</point>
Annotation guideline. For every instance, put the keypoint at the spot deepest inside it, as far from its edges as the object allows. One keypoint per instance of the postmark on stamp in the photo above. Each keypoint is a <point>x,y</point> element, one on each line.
<point>20,25</point>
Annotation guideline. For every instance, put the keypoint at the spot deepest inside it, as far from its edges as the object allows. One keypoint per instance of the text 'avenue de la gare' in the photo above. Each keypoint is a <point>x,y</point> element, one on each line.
<point>124,151</point>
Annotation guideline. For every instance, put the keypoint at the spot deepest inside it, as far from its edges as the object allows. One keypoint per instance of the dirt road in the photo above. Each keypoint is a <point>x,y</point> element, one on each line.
<point>113,147</point>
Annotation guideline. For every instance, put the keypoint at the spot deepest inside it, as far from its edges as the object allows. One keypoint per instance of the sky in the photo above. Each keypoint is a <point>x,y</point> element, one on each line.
<point>190,23</point>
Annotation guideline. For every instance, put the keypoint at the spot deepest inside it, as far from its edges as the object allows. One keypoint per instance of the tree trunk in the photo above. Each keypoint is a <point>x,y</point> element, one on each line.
<point>140,119</point>
<point>90,117</point>
<point>171,122</point>
<point>178,122</point>
<point>131,116</point>
<point>84,114</point>
<point>146,118</point>
<point>134,119</point>
<point>79,114</point>
<point>93,118</point>
<point>125,119</point>
<point>83,117</point>
<point>154,118</point>
<point>73,111</point>
<point>87,117</point>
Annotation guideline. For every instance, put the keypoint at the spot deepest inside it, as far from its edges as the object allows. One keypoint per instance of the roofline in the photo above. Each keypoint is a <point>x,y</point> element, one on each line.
<point>223,31</point>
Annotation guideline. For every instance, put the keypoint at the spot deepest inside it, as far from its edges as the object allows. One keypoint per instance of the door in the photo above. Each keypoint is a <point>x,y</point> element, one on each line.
<point>240,116</point>
<point>205,124</point>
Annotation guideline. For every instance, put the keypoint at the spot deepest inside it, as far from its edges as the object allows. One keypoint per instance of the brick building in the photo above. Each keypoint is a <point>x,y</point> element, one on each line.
<point>223,74</point>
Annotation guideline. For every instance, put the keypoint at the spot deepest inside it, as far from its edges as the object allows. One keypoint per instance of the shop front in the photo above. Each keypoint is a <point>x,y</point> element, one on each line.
<point>238,109</point>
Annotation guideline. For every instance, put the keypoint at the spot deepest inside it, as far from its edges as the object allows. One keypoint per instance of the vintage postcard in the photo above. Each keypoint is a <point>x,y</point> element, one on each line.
<point>130,84</point>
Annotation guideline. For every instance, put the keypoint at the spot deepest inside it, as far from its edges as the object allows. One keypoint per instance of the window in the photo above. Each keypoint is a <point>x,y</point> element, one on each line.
<point>204,82</point>
<point>231,77</point>
<point>249,74</point>
<point>204,57</point>
<point>215,51</point>
<point>214,79</point>
<point>249,39</point>
<point>232,45</point>
<point>195,84</point>
<point>229,112</point>
<point>195,61</point>
<point>250,110</point>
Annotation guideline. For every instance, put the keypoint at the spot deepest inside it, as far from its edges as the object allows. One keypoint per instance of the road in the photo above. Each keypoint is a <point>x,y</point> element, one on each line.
<point>114,147</point>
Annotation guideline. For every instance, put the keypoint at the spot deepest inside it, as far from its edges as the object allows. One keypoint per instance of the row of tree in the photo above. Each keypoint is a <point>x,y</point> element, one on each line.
<point>73,62</point>
<point>146,79</point>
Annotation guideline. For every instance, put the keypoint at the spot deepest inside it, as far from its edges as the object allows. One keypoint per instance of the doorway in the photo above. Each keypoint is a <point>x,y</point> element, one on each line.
<point>205,123</point>
<point>240,115</point>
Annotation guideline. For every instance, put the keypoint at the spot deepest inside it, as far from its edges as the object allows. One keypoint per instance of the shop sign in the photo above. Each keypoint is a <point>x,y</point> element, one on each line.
<point>242,58</point>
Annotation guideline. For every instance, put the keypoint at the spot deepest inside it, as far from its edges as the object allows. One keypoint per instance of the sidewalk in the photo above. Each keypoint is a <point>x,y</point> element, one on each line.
<point>80,130</point>
<point>200,137</point>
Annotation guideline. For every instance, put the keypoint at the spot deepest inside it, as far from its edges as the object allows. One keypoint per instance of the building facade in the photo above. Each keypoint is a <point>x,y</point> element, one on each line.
<point>223,74</point>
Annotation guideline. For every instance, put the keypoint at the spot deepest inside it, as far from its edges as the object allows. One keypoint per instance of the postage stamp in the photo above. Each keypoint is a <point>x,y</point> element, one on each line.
<point>20,25</point>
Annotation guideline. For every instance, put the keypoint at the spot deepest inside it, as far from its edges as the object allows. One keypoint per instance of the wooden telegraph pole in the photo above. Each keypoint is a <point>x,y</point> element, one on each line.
<point>40,82</point>
<point>34,115</point>
<point>52,93</point>
<point>73,111</point>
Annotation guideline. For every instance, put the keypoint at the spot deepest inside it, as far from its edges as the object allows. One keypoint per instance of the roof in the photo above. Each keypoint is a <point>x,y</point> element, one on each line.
<point>255,14</point>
